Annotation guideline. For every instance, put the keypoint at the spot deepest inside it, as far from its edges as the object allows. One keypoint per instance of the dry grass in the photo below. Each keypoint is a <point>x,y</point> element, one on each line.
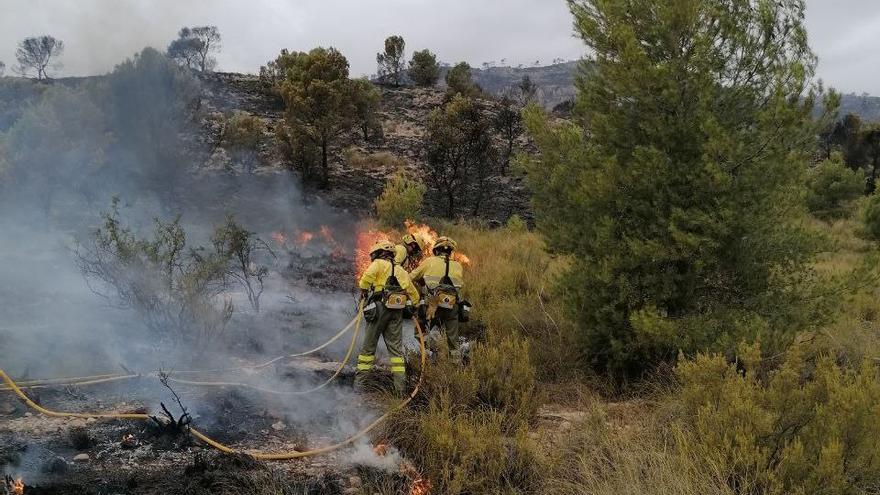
<point>601,458</point>
<point>382,160</point>
<point>510,281</point>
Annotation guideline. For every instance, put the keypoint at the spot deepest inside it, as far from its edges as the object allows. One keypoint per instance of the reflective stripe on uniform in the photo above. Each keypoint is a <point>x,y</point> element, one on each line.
<point>398,365</point>
<point>365,362</point>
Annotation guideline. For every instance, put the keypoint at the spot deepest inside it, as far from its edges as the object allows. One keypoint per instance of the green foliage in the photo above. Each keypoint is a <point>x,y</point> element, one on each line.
<point>460,82</point>
<point>830,186</point>
<point>808,427</point>
<point>391,62</point>
<point>241,249</point>
<point>149,101</point>
<point>194,46</point>
<point>170,286</point>
<point>400,200</point>
<point>678,187</point>
<point>508,122</point>
<point>871,218</point>
<point>320,106</point>
<point>424,69</point>
<point>242,135</point>
<point>516,224</point>
<point>367,100</point>
<point>59,143</point>
<point>507,280</point>
<point>36,54</point>
<point>469,430</point>
<point>460,154</point>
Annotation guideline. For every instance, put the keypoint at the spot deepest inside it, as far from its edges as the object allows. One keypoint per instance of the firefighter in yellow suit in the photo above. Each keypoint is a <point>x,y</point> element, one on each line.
<point>443,278</point>
<point>387,291</point>
<point>408,253</point>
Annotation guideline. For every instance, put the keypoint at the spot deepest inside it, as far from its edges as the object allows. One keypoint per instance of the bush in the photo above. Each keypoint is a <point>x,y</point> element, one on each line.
<point>173,287</point>
<point>871,218</point>
<point>507,281</point>
<point>830,186</point>
<point>468,427</point>
<point>401,200</point>
<point>382,160</point>
<point>423,68</point>
<point>808,427</point>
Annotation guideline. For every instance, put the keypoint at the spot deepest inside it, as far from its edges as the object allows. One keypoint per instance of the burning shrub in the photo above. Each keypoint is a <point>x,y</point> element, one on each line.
<point>173,290</point>
<point>401,200</point>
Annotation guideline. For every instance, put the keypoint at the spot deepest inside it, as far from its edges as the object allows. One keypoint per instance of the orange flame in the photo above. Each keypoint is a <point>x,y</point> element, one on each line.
<point>429,237</point>
<point>327,234</point>
<point>15,487</point>
<point>279,238</point>
<point>420,486</point>
<point>304,237</point>
<point>365,240</point>
<point>381,449</point>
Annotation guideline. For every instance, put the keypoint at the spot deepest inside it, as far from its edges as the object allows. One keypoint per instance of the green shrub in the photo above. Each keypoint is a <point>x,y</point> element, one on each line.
<point>468,427</point>
<point>808,427</point>
<point>401,200</point>
<point>871,218</point>
<point>830,186</point>
<point>507,282</point>
<point>516,224</point>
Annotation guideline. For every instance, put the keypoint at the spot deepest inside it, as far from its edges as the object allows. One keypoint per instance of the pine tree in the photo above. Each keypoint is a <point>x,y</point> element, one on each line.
<point>678,189</point>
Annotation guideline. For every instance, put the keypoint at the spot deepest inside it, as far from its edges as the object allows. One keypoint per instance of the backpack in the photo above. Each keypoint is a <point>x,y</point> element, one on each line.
<point>446,293</point>
<point>393,295</point>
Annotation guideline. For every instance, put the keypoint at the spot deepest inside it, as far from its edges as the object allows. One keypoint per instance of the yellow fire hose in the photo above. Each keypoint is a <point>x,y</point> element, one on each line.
<point>106,378</point>
<point>281,456</point>
<point>339,369</point>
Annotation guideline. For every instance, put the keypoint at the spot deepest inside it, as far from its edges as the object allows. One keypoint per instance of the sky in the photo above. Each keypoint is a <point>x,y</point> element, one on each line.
<point>100,33</point>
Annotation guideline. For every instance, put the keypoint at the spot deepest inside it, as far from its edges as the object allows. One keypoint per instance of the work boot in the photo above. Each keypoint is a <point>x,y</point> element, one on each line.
<point>399,384</point>
<point>360,379</point>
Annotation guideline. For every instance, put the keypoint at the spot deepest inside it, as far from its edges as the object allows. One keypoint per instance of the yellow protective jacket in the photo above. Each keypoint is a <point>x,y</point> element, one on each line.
<point>377,275</point>
<point>431,271</point>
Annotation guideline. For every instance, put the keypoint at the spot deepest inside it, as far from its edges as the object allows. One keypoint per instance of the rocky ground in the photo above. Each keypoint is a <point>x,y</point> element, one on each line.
<point>354,182</point>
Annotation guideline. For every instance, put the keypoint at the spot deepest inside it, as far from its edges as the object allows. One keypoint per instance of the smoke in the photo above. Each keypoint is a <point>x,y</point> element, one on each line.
<point>65,151</point>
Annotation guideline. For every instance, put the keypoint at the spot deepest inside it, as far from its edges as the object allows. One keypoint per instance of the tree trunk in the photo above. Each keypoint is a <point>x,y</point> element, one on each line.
<point>325,170</point>
<point>450,202</point>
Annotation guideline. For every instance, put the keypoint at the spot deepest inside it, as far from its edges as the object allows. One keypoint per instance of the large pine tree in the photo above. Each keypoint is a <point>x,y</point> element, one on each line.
<point>679,186</point>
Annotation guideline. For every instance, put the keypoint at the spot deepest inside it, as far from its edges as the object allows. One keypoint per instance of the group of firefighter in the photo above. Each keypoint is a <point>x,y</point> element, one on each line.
<point>399,283</point>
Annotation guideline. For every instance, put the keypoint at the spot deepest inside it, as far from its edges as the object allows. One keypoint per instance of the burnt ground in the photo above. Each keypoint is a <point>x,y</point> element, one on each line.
<point>353,186</point>
<point>78,456</point>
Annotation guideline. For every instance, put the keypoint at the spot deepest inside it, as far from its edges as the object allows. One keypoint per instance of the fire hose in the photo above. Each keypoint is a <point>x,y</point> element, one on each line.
<point>280,456</point>
<point>111,377</point>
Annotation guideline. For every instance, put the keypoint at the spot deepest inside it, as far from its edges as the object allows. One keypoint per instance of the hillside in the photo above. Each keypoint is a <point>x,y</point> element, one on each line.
<point>359,169</point>
<point>556,85</point>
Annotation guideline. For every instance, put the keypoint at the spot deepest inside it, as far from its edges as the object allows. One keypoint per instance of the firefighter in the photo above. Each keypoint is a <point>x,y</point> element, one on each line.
<point>408,254</point>
<point>386,291</point>
<point>443,278</point>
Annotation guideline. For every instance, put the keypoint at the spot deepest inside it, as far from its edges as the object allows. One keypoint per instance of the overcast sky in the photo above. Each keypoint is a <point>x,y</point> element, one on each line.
<point>100,33</point>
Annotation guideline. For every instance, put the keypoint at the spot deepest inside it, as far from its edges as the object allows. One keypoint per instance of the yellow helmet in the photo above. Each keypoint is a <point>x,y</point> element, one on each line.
<point>445,242</point>
<point>414,238</point>
<point>381,246</point>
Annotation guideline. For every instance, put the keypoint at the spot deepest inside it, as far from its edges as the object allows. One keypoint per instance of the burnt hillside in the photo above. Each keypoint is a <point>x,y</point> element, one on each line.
<point>359,168</point>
